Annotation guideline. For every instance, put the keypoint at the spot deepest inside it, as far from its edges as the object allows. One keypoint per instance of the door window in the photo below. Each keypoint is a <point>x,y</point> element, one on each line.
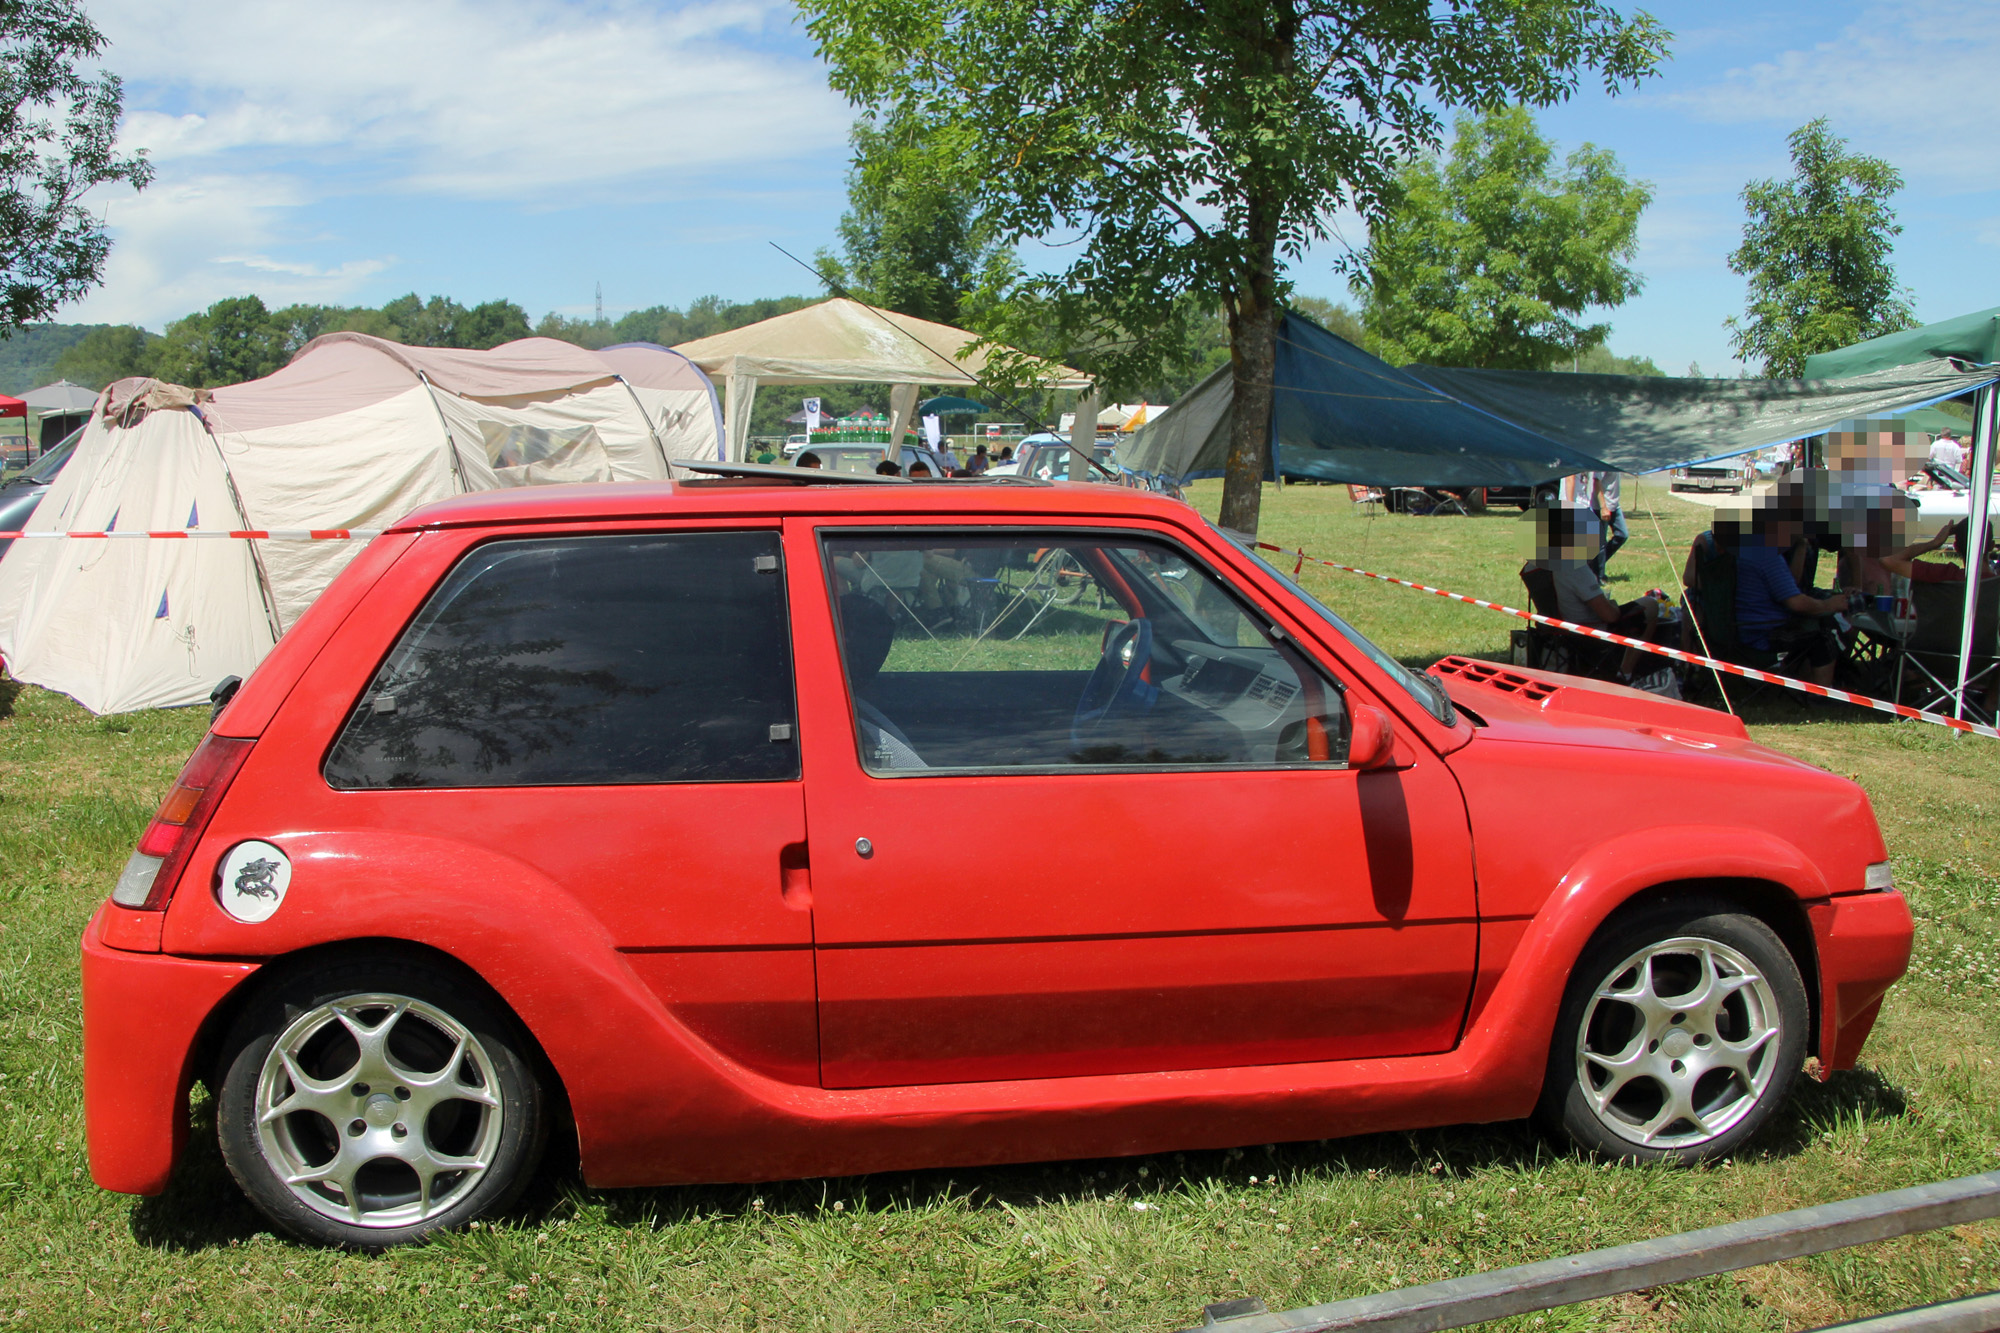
<point>1060,651</point>
<point>617,659</point>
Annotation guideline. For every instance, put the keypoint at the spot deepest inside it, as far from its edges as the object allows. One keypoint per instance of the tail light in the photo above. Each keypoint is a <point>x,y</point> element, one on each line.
<point>149,877</point>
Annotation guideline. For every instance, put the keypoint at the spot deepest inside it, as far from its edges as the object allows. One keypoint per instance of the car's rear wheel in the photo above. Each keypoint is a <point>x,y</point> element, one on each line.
<point>1681,1034</point>
<point>367,1105</point>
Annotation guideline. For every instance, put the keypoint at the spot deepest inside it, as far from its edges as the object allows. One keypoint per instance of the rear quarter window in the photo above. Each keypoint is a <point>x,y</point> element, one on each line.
<point>586,660</point>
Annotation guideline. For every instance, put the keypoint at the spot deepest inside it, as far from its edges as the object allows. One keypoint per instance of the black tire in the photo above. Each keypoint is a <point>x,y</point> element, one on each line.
<point>1622,1071</point>
<point>445,1047</point>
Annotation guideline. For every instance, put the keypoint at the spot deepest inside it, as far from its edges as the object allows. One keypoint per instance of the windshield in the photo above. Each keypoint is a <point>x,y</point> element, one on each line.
<point>1426,690</point>
<point>52,461</point>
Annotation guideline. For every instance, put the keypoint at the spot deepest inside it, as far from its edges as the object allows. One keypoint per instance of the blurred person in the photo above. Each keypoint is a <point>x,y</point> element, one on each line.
<point>1947,450</point>
<point>1905,562</point>
<point>1604,488</point>
<point>1768,597</point>
<point>979,462</point>
<point>1566,541</point>
<point>919,468</point>
<point>887,468</point>
<point>809,459</point>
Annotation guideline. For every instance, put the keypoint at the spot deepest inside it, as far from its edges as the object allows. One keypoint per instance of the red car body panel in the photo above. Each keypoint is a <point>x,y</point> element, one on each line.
<point>142,1013</point>
<point>729,991</point>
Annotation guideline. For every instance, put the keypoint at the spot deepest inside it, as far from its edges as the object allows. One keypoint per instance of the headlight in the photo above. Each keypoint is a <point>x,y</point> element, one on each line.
<point>1878,878</point>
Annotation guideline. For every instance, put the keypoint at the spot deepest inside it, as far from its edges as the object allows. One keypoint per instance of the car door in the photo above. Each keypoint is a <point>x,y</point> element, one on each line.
<point>1073,810</point>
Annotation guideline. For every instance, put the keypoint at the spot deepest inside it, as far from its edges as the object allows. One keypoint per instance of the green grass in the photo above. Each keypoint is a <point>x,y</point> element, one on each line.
<point>1057,1246</point>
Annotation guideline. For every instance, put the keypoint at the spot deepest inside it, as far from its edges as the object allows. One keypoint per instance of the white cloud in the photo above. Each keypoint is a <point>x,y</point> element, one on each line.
<point>1899,82</point>
<point>264,119</point>
<point>508,99</point>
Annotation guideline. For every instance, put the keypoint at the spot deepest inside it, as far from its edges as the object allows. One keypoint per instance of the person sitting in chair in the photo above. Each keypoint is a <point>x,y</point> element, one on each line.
<point>866,634</point>
<point>1768,597</point>
<point>1906,563</point>
<point>1566,540</point>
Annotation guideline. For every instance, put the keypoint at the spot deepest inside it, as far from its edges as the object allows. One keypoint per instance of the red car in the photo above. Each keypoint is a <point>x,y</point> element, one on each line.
<point>752,828</point>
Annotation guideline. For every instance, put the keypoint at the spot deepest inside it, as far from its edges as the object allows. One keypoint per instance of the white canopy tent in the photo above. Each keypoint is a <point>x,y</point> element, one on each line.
<point>843,341</point>
<point>354,433</point>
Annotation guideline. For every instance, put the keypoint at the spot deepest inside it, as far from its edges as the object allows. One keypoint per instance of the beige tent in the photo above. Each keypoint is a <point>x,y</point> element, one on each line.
<point>845,342</point>
<point>354,433</point>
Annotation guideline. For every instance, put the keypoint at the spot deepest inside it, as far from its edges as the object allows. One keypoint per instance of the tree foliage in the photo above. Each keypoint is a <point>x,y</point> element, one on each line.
<point>1489,256</point>
<point>913,239</point>
<point>1187,148</point>
<point>106,353</point>
<point>1816,249</point>
<point>57,134</point>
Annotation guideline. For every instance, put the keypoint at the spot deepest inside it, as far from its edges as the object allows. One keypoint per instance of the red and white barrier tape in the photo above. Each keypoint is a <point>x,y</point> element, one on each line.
<point>1696,659</point>
<point>241,534</point>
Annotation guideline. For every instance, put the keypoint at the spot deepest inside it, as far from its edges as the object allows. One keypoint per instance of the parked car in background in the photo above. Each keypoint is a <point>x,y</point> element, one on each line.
<point>1050,458</point>
<point>794,443</point>
<point>20,497</point>
<point>1734,474</point>
<point>628,811</point>
<point>865,458</point>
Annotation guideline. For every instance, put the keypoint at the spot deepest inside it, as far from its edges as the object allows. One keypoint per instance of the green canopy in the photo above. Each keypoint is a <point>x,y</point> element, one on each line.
<point>1645,423</point>
<point>1971,338</point>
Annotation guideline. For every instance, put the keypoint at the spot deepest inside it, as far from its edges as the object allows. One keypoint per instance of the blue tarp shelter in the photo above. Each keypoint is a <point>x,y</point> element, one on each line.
<point>1339,414</point>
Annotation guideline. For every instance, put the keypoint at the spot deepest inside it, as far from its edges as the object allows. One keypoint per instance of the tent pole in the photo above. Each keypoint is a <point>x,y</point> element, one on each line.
<point>1985,406</point>
<point>666,468</point>
<point>740,395</point>
<point>272,620</point>
<point>450,443</point>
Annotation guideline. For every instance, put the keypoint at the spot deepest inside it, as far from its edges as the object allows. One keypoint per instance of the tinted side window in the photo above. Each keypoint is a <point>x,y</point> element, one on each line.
<point>586,660</point>
<point>1059,650</point>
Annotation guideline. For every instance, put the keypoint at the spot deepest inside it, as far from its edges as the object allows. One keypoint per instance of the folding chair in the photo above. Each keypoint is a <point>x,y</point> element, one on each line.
<point>1369,498</point>
<point>1932,650</point>
<point>1552,649</point>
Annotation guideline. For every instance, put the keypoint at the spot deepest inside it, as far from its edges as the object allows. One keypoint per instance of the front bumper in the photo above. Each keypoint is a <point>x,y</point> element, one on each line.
<point>142,1016</point>
<point>1864,946</point>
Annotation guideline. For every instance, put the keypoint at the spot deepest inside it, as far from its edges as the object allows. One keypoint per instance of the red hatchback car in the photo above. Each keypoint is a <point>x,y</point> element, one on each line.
<point>761,828</point>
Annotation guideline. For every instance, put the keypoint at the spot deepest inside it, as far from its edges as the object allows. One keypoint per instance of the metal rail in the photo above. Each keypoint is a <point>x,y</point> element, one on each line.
<point>1457,1302</point>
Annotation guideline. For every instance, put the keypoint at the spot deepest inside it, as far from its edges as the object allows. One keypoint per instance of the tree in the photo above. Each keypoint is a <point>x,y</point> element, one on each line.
<point>56,138</point>
<point>1188,147</point>
<point>443,322</point>
<point>1334,318</point>
<point>1489,257</point>
<point>233,340</point>
<point>913,238</point>
<point>1816,250</point>
<point>107,353</point>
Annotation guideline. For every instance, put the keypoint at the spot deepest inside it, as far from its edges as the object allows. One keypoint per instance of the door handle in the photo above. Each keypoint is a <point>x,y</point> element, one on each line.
<point>795,877</point>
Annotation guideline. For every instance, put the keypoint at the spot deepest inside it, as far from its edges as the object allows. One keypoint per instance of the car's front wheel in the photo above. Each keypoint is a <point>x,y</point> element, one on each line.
<point>366,1105</point>
<point>1681,1034</point>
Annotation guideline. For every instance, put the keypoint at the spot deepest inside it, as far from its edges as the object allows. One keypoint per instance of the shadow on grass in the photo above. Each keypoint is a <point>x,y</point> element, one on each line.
<point>1458,1152</point>
<point>202,1208</point>
<point>10,690</point>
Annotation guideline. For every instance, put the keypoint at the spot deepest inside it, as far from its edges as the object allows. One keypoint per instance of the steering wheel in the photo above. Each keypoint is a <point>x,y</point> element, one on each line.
<point>1117,683</point>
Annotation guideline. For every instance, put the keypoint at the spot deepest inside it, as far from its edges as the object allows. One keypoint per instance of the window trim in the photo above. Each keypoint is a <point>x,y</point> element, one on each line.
<point>1275,633</point>
<point>570,533</point>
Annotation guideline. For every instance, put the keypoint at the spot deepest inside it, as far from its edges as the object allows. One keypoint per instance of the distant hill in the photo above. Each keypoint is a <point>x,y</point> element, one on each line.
<point>28,359</point>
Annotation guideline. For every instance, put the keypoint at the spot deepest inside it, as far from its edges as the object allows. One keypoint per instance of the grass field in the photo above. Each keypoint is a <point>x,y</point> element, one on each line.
<point>1128,1244</point>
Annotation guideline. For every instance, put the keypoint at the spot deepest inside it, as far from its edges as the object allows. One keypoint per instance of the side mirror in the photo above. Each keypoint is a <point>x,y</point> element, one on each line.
<point>1371,737</point>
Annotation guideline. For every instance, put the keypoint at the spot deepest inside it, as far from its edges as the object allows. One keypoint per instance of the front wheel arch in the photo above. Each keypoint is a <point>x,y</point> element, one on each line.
<point>1773,904</point>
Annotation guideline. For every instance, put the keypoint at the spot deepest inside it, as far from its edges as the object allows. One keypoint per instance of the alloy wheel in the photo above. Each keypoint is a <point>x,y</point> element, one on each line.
<point>378,1110</point>
<point>1678,1043</point>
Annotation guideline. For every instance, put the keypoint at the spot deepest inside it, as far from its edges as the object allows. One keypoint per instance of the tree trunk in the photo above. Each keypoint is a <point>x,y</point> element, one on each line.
<point>1253,352</point>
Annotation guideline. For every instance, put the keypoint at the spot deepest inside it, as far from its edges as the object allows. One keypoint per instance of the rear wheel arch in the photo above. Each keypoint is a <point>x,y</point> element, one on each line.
<point>212,1051</point>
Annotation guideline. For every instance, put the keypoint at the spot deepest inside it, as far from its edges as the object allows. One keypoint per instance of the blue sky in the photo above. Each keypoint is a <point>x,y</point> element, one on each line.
<point>352,150</point>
